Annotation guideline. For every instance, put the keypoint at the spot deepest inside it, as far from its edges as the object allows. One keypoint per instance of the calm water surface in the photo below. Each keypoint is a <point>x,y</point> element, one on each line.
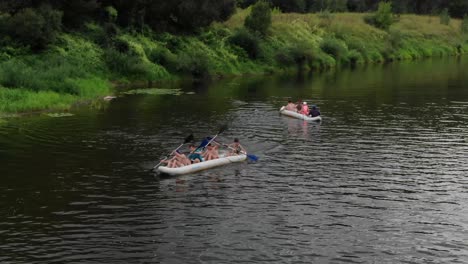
<point>383,179</point>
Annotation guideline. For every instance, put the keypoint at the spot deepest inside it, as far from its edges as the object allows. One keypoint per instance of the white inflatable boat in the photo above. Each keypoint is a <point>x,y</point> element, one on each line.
<point>223,160</point>
<point>285,112</point>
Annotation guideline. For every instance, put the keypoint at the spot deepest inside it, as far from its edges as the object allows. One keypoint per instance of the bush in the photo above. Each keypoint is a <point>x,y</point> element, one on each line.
<point>123,64</point>
<point>302,54</point>
<point>322,60</point>
<point>259,19</point>
<point>247,41</point>
<point>284,58</point>
<point>336,48</point>
<point>355,57</point>
<point>444,17</point>
<point>383,17</point>
<point>194,63</point>
<point>163,56</point>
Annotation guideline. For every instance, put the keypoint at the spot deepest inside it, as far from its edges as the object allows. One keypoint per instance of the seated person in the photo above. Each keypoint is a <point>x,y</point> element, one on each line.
<point>178,160</point>
<point>304,109</point>
<point>236,148</point>
<point>195,155</point>
<point>299,107</point>
<point>314,112</point>
<point>211,152</point>
<point>291,106</point>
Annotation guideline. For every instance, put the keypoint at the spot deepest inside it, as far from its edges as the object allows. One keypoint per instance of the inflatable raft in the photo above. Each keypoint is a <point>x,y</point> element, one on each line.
<point>285,112</point>
<point>223,160</point>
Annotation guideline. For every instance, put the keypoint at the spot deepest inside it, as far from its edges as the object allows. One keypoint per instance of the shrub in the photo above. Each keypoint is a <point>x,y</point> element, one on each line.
<point>247,41</point>
<point>302,54</point>
<point>163,56</point>
<point>383,17</point>
<point>123,64</point>
<point>259,19</point>
<point>322,60</point>
<point>284,58</point>
<point>111,14</point>
<point>444,17</point>
<point>335,48</point>
<point>194,63</point>
<point>355,57</point>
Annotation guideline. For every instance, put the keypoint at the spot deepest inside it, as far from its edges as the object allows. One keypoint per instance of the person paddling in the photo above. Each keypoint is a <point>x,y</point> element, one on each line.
<point>314,112</point>
<point>211,152</point>
<point>236,148</point>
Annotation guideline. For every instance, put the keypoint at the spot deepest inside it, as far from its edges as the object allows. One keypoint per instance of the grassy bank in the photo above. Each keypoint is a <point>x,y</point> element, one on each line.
<point>82,65</point>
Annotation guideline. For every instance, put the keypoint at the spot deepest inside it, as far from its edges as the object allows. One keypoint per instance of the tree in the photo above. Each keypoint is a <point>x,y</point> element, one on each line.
<point>259,20</point>
<point>36,28</point>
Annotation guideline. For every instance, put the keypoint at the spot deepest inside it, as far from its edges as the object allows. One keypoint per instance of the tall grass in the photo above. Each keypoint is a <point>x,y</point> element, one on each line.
<point>20,100</point>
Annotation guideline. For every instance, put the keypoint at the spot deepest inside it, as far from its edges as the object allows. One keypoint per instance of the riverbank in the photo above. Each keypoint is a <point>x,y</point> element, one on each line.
<point>84,65</point>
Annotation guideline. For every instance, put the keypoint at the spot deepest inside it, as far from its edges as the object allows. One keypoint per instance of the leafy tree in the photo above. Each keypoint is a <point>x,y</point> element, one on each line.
<point>36,28</point>
<point>259,19</point>
<point>248,41</point>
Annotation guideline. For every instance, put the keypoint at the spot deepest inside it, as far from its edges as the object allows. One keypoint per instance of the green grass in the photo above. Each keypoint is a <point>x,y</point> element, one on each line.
<point>19,100</point>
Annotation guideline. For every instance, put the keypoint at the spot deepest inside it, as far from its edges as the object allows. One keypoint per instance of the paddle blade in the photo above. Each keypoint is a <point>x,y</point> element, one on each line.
<point>252,157</point>
<point>223,128</point>
<point>204,142</point>
<point>188,139</point>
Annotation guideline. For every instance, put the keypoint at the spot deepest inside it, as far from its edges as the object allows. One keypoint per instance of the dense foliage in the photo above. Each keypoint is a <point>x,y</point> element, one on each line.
<point>383,17</point>
<point>259,20</point>
<point>56,52</point>
<point>456,8</point>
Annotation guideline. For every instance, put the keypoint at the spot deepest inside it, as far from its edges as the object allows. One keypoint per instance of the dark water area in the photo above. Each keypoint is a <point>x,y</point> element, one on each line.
<point>382,179</point>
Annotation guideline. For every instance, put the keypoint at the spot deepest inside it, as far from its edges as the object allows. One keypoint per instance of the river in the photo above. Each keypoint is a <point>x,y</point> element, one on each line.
<point>382,179</point>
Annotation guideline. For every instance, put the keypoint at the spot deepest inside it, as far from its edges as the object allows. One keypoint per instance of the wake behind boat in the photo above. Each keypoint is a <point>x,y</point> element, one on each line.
<point>297,115</point>
<point>223,159</point>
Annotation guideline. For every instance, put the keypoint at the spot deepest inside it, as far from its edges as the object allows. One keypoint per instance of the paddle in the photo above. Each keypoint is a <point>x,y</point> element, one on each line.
<point>221,130</point>
<point>187,140</point>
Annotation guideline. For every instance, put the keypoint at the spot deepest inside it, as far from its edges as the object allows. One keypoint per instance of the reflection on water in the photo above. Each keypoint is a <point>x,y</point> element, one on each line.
<point>381,179</point>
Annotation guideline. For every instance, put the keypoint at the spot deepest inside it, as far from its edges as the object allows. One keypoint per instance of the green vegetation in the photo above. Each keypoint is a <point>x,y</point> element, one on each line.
<point>259,19</point>
<point>464,25</point>
<point>444,17</point>
<point>50,59</point>
<point>383,17</point>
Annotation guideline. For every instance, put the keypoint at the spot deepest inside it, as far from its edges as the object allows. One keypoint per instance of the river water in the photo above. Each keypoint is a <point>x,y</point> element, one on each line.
<point>382,179</point>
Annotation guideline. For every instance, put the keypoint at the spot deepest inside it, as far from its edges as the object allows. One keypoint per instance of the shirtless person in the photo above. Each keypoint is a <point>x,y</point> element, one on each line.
<point>178,160</point>
<point>236,148</point>
<point>211,152</point>
<point>291,106</point>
